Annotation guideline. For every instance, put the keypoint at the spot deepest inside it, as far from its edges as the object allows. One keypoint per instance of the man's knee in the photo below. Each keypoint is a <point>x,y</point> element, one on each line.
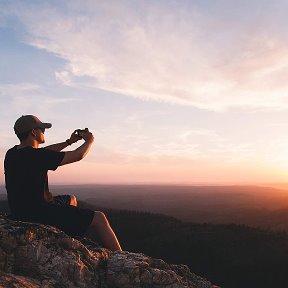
<point>99,220</point>
<point>73,200</point>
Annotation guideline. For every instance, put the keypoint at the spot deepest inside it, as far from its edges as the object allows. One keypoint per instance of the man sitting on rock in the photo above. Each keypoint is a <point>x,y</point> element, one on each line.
<point>26,167</point>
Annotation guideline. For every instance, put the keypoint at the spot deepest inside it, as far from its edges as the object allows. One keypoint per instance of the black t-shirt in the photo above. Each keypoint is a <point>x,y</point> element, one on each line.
<point>26,177</point>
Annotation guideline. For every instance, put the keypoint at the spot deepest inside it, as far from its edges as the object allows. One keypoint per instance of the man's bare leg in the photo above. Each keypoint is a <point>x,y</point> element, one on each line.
<point>105,232</point>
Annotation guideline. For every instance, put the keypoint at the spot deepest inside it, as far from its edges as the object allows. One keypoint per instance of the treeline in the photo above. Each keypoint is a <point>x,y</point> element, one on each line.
<point>233,256</point>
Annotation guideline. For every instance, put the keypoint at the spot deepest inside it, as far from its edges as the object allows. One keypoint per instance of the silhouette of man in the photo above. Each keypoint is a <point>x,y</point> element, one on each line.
<point>26,178</point>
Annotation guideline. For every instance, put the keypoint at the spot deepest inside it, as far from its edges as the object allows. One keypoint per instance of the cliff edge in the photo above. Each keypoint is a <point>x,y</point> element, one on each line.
<point>34,255</point>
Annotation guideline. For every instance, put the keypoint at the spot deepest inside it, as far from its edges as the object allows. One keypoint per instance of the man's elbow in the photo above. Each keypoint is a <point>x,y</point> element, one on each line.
<point>71,157</point>
<point>79,156</point>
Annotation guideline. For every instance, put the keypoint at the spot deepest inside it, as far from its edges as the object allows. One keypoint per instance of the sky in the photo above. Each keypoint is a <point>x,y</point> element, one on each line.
<point>174,91</point>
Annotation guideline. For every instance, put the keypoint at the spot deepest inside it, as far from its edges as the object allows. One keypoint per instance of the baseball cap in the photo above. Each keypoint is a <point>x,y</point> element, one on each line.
<point>28,122</point>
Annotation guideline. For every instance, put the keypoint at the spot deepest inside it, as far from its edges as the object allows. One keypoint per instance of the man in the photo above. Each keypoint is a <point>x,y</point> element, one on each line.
<point>26,179</point>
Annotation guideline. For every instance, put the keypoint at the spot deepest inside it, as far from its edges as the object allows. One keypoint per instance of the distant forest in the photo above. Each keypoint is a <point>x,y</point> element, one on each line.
<point>255,206</point>
<point>232,256</point>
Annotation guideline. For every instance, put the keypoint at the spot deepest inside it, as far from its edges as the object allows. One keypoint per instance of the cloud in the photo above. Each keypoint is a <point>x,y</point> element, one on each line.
<point>188,147</point>
<point>29,98</point>
<point>168,51</point>
<point>16,89</point>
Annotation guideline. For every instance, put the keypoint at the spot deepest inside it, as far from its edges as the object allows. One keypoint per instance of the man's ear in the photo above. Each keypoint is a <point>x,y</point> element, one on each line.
<point>33,132</point>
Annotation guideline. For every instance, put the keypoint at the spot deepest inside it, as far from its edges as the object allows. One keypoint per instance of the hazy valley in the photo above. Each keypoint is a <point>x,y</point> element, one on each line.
<point>265,207</point>
<point>257,206</point>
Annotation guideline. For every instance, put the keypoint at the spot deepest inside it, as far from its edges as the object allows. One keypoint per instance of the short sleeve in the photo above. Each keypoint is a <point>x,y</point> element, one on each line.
<point>49,159</point>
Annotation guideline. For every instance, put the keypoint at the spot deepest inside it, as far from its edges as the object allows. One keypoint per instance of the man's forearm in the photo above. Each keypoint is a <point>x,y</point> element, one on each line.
<point>83,149</point>
<point>77,154</point>
<point>58,146</point>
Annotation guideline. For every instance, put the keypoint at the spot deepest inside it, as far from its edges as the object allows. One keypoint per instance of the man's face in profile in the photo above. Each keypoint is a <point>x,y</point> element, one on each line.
<point>39,135</point>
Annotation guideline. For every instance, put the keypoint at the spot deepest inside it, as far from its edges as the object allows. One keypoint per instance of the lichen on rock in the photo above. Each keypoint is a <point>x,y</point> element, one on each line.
<point>35,255</point>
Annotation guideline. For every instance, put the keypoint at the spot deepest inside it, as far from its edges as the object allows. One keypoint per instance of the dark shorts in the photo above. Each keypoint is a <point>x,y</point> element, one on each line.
<point>72,220</point>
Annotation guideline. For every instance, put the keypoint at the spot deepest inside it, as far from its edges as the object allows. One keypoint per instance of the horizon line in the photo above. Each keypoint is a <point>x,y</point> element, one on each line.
<point>170,184</point>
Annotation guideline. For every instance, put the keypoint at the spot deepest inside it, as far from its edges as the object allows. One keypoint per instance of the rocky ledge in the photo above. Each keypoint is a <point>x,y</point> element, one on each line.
<point>34,255</point>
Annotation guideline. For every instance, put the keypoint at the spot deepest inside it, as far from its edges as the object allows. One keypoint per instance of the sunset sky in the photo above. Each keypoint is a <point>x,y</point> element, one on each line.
<point>174,91</point>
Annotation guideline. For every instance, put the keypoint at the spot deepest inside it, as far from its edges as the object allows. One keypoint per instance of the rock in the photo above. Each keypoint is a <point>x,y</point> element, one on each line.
<point>11,280</point>
<point>35,255</point>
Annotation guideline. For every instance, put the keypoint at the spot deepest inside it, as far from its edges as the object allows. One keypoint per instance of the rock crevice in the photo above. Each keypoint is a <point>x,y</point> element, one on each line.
<point>34,255</point>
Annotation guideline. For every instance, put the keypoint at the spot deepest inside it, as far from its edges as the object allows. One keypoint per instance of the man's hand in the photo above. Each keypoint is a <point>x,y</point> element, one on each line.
<point>88,136</point>
<point>80,152</point>
<point>74,137</point>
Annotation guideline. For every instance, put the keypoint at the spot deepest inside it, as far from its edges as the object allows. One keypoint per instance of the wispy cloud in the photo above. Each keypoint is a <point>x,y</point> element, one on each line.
<point>27,98</point>
<point>168,50</point>
<point>16,89</point>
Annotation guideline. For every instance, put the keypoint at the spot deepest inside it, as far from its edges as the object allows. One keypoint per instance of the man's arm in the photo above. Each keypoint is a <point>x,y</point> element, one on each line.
<point>80,152</point>
<point>60,146</point>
